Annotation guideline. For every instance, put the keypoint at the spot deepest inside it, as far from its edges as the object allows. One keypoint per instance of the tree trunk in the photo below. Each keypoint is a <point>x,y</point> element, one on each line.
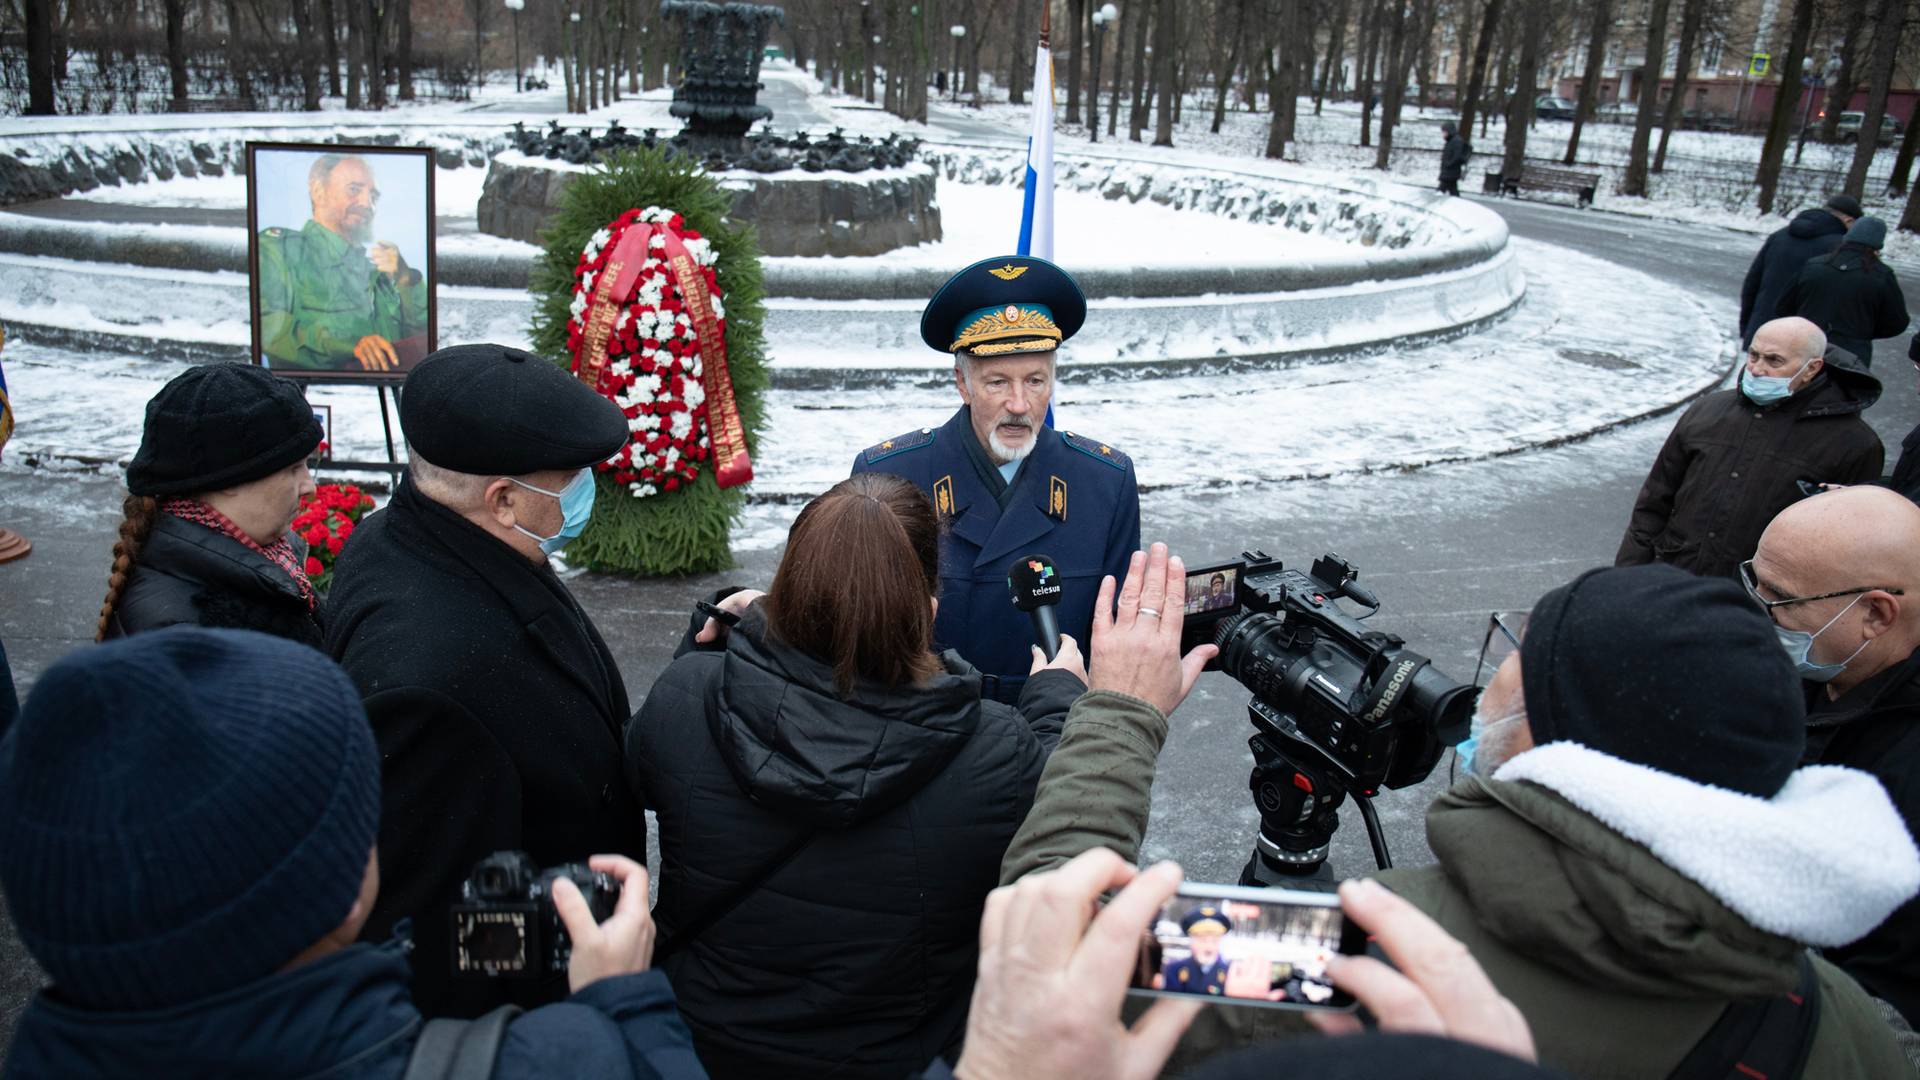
<point>1903,162</point>
<point>176,50</point>
<point>1163,40</point>
<point>1503,77</point>
<point>304,45</point>
<point>1336,54</point>
<point>1910,218</point>
<point>1077,11</point>
<point>330,39</point>
<point>356,42</point>
<point>1590,77</point>
<point>1223,80</point>
<point>403,53</point>
<point>237,57</point>
<point>1477,79</point>
<point>1022,52</point>
<point>379,16</point>
<point>1840,92</point>
<point>1369,54</point>
<point>1533,14</point>
<point>1396,82</point>
<point>1137,116</point>
<point>1635,181</point>
<point>1888,23</point>
<point>1127,14</point>
<point>1773,152</point>
<point>40,57</point>
<point>1690,18</point>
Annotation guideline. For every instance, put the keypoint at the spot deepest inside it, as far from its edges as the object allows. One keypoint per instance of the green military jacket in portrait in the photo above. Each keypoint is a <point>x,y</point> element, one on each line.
<point>319,295</point>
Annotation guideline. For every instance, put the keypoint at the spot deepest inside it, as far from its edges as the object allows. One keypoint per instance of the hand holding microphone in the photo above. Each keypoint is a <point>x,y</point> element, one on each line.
<point>1035,586</point>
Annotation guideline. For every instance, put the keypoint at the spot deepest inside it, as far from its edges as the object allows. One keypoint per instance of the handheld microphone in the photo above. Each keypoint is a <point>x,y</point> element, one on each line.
<point>1035,586</point>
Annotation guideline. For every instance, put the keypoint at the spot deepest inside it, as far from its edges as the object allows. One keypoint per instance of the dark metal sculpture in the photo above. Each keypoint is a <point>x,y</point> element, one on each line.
<point>762,152</point>
<point>720,50</point>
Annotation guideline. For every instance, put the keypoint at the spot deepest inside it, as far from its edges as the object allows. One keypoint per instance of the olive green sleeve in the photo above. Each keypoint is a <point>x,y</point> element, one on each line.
<point>292,332</point>
<point>1096,789</point>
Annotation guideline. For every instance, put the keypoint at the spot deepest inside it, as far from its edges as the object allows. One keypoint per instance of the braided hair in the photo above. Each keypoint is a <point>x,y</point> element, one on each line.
<point>136,524</point>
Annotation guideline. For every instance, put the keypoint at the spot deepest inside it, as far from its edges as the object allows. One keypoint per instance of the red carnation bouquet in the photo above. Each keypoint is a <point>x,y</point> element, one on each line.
<point>326,519</point>
<point>653,351</point>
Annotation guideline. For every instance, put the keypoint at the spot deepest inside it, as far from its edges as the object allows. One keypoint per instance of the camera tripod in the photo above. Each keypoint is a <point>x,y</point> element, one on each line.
<point>1298,793</point>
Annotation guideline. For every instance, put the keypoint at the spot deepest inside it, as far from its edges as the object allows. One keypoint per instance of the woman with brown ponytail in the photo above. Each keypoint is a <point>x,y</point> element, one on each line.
<point>220,473</point>
<point>834,799</point>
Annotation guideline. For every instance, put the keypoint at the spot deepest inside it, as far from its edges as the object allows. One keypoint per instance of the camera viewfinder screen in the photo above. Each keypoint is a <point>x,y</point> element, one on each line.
<point>1255,953</point>
<point>491,940</point>
<point>1211,590</point>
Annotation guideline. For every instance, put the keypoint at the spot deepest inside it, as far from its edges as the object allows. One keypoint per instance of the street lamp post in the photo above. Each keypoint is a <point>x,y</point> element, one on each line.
<point>578,102</point>
<point>958,32</point>
<point>1101,18</point>
<point>519,76</point>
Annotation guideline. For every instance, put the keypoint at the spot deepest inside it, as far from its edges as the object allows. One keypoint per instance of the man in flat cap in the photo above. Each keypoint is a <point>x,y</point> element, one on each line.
<point>1005,484</point>
<point>495,702</point>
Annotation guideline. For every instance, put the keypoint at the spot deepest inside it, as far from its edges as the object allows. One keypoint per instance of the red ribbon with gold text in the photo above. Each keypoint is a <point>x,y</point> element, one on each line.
<point>728,435</point>
<point>610,293</point>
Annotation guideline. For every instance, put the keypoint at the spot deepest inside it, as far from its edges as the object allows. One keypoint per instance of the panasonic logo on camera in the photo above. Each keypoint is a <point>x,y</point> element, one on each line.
<point>1400,673</point>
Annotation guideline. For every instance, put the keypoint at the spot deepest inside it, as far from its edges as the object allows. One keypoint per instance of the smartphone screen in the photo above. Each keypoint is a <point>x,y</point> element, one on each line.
<point>1247,946</point>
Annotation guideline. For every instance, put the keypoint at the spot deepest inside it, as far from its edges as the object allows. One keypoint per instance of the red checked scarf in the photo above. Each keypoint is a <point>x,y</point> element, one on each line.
<point>280,552</point>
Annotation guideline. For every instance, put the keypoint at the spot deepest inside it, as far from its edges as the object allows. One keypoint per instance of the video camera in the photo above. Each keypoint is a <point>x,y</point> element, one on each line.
<point>506,924</point>
<point>1336,706</point>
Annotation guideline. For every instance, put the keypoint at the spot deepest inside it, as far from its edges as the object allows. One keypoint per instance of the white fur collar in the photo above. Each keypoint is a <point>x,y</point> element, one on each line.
<point>1823,862</point>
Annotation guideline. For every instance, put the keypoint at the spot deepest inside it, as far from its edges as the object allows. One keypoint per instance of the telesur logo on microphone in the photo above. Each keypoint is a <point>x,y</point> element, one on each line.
<point>1043,572</point>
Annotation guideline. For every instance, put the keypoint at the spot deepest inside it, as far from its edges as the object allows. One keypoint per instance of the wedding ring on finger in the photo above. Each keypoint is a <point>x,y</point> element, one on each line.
<point>1149,611</point>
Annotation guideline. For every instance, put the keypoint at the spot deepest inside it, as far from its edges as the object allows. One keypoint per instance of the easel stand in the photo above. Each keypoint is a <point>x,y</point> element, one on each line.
<point>393,466</point>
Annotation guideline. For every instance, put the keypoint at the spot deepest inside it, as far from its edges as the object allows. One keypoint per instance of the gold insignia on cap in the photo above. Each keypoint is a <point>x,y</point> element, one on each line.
<point>1009,329</point>
<point>1057,498</point>
<point>943,496</point>
<point>1008,272</point>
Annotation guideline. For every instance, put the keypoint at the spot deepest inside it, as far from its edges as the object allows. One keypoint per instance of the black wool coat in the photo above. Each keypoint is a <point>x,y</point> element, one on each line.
<point>1453,157</point>
<point>497,708</point>
<point>882,818</point>
<point>1875,728</point>
<point>188,574</point>
<point>1852,296</point>
<point>1813,232</point>
<point>1730,465</point>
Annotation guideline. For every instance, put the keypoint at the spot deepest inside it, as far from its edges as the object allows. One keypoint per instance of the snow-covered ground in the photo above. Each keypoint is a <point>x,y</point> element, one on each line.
<point>455,192</point>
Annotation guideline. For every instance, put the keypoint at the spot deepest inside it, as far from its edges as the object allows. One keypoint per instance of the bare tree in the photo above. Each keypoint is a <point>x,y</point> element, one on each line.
<point>1077,12</point>
<point>39,20</point>
<point>1137,117</point>
<point>1163,39</point>
<point>1533,16</point>
<point>1399,56</point>
<point>1890,18</point>
<point>1477,79</point>
<point>1773,152</point>
<point>329,26</point>
<point>1371,33</point>
<point>1635,181</point>
<point>1903,162</point>
<point>1223,74</point>
<point>1601,22</point>
<point>304,45</point>
<point>176,51</point>
<point>1691,16</point>
<point>1853,25</point>
<point>403,50</point>
<point>1336,54</point>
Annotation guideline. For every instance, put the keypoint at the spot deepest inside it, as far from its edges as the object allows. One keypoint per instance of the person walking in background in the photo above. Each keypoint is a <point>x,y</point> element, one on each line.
<point>1738,457</point>
<point>1850,294</point>
<point>218,478</point>
<point>834,799</point>
<point>1453,159</point>
<point>1814,232</point>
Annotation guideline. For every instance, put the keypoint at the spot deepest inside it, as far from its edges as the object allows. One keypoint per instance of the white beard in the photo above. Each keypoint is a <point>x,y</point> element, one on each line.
<point>1003,453</point>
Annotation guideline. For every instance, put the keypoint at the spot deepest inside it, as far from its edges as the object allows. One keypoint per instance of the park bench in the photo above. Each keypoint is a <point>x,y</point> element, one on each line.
<point>1581,185</point>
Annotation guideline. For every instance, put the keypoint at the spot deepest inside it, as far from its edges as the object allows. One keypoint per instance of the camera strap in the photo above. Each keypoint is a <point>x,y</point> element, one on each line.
<point>715,912</point>
<point>1392,685</point>
<point>1771,1037</point>
<point>460,1049</point>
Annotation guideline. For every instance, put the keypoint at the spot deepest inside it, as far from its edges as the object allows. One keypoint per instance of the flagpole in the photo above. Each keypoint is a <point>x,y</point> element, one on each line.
<point>1036,212</point>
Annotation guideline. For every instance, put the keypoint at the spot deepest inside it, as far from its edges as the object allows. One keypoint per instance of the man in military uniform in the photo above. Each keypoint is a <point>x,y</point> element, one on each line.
<point>327,302</point>
<point>1005,483</point>
<point>1205,970</point>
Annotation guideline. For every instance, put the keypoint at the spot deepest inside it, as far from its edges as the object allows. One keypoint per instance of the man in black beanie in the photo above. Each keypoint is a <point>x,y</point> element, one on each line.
<point>1633,855</point>
<point>496,703</point>
<point>187,828</point>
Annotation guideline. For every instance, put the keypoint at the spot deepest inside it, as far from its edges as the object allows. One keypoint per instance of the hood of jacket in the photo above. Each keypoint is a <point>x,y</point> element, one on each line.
<point>796,746</point>
<point>1644,882</point>
<point>1808,224</point>
<point>293,1024</point>
<point>1844,387</point>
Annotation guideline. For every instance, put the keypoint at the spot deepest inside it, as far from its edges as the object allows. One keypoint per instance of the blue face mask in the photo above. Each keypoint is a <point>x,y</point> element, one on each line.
<point>1465,749</point>
<point>1799,646</point>
<point>1767,389</point>
<point>576,506</point>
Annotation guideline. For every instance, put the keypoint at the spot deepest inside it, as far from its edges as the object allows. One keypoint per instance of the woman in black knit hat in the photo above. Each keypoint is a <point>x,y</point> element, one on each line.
<point>220,473</point>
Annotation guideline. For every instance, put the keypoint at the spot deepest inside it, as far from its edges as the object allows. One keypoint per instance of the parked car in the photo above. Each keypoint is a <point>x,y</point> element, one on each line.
<point>1850,123</point>
<point>1554,108</point>
<point>1617,112</point>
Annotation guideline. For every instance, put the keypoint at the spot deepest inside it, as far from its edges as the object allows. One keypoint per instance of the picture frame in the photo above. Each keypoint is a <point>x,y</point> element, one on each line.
<point>324,414</point>
<point>341,265</point>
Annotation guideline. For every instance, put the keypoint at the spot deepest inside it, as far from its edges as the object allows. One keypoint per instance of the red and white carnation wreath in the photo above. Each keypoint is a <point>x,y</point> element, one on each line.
<point>648,330</point>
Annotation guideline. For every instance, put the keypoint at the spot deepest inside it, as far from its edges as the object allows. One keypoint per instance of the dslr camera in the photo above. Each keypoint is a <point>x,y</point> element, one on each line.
<point>505,924</point>
<point>1337,707</point>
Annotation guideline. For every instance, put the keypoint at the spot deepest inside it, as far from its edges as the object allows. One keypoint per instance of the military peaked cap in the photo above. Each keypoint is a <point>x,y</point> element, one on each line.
<point>1004,305</point>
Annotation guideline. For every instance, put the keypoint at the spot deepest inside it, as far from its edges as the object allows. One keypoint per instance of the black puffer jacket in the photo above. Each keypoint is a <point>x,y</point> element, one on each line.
<point>1813,232</point>
<point>190,574</point>
<point>1731,465</point>
<point>1875,727</point>
<point>856,957</point>
<point>1852,296</point>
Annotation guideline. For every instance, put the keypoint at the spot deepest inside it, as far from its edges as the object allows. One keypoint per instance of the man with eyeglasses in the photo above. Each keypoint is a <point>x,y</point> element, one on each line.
<point>1840,576</point>
<point>496,704</point>
<point>1739,456</point>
